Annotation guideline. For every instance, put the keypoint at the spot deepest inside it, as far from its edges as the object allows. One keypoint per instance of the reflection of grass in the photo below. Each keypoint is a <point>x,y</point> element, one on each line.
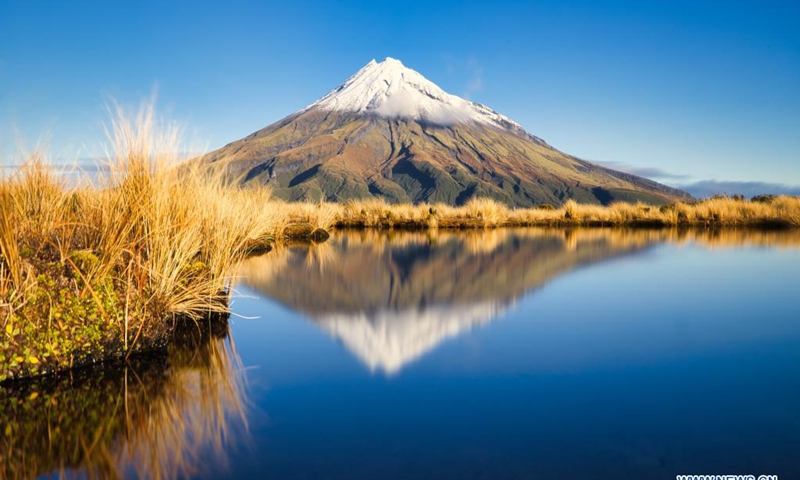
<point>474,241</point>
<point>160,418</point>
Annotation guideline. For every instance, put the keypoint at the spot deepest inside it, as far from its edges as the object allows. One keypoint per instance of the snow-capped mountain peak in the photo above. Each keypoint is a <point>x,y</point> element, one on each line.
<point>351,144</point>
<point>390,89</point>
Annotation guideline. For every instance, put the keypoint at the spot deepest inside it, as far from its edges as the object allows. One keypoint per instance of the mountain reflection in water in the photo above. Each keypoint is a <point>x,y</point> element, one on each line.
<point>390,297</point>
<point>167,417</point>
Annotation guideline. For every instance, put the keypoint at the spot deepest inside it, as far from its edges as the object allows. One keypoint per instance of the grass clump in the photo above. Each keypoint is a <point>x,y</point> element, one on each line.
<point>90,273</point>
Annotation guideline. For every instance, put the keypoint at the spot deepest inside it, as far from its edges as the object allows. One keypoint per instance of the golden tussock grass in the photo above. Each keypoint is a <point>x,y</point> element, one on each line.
<point>486,213</point>
<point>777,212</point>
<point>92,272</point>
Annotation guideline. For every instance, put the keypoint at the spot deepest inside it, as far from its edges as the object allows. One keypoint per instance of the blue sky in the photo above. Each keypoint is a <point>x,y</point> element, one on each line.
<point>680,90</point>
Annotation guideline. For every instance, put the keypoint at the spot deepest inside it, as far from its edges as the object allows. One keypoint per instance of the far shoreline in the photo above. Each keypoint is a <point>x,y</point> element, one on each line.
<point>765,211</point>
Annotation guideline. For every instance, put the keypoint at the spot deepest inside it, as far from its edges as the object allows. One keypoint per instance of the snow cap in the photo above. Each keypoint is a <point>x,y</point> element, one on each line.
<point>390,89</point>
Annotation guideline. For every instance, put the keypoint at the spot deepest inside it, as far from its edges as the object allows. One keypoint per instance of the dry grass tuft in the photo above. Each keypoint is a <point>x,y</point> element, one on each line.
<point>96,272</point>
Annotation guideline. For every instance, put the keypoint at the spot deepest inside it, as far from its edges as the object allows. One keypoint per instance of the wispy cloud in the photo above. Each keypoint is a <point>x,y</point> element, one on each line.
<point>449,63</point>
<point>470,70</point>
<point>647,172</point>
<point>475,83</point>
<point>707,188</point>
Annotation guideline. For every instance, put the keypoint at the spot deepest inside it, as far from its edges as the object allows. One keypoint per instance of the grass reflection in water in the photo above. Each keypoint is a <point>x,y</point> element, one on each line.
<point>159,417</point>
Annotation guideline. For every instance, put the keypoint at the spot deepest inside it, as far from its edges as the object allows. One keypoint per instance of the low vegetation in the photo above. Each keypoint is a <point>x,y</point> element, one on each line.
<point>762,211</point>
<point>98,272</point>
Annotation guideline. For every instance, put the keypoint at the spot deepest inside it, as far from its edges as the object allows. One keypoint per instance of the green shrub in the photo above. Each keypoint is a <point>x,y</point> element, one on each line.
<point>764,198</point>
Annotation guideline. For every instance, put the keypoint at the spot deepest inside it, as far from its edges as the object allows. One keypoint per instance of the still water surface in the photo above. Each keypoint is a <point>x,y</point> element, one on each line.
<point>499,354</point>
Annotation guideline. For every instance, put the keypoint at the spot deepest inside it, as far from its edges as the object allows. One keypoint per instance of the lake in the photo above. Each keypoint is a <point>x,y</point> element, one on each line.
<point>530,353</point>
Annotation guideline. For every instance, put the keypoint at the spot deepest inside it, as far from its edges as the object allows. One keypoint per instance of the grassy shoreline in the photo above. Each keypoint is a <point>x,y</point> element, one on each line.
<point>90,274</point>
<point>110,285</point>
<point>765,212</point>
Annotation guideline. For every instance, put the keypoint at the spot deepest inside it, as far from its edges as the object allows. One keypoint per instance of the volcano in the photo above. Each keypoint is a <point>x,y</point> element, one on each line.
<point>389,132</point>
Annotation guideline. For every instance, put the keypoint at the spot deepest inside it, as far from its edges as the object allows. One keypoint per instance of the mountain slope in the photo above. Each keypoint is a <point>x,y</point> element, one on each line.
<point>389,132</point>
